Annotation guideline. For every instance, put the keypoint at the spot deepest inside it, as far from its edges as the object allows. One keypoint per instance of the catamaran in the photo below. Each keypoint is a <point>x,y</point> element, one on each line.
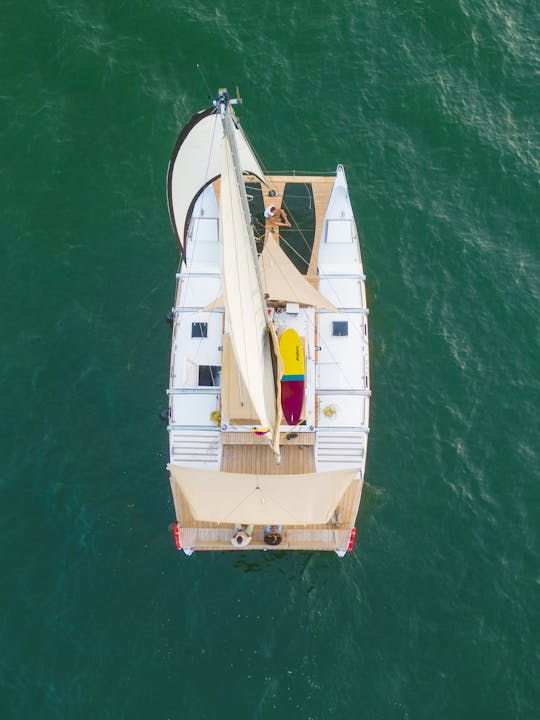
<point>269,390</point>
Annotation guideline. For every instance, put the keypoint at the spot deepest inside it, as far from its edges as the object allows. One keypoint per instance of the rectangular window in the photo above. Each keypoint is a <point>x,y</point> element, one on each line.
<point>209,375</point>
<point>199,330</point>
<point>340,328</point>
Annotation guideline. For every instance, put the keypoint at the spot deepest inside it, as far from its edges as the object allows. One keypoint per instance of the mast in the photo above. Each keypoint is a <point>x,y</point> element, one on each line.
<point>242,283</point>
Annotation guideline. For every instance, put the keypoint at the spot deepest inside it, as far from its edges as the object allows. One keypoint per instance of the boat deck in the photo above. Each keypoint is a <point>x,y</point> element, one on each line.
<point>329,536</point>
<point>213,538</point>
<point>244,452</point>
<point>260,459</point>
<point>322,187</point>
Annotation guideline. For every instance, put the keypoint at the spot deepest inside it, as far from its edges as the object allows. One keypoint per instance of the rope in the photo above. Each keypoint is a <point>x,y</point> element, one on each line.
<point>204,80</point>
<point>311,327</point>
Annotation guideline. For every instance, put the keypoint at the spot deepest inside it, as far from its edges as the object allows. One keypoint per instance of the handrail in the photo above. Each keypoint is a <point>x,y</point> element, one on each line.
<point>201,428</point>
<point>181,275</point>
<point>359,311</point>
<point>179,309</point>
<point>342,391</point>
<point>341,276</point>
<point>344,428</point>
<point>209,390</point>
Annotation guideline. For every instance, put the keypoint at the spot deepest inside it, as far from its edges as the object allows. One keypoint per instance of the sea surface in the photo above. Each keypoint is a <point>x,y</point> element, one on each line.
<point>433,109</point>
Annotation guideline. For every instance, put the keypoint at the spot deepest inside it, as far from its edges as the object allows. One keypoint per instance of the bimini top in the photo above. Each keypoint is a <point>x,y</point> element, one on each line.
<point>188,175</point>
<point>223,497</point>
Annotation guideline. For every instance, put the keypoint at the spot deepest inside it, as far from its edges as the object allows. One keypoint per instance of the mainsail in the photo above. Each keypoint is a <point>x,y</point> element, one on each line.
<point>244,301</point>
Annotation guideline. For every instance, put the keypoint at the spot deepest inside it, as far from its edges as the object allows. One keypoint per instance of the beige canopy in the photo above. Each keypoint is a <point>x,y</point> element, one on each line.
<point>221,497</point>
<point>282,281</point>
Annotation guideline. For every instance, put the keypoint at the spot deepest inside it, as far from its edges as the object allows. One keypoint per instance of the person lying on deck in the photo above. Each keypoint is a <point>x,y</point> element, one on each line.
<point>277,216</point>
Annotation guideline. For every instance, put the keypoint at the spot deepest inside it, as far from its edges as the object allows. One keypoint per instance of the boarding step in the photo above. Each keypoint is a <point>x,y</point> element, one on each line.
<point>196,449</point>
<point>335,450</point>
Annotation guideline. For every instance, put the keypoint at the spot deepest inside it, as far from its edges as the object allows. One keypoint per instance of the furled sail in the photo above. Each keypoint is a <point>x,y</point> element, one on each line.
<point>244,302</point>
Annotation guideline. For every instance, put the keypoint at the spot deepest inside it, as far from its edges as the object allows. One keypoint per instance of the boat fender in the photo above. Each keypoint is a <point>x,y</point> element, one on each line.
<point>176,531</point>
<point>352,539</point>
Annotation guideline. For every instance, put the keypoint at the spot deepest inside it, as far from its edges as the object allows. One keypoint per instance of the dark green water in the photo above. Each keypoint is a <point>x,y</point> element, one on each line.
<point>432,107</point>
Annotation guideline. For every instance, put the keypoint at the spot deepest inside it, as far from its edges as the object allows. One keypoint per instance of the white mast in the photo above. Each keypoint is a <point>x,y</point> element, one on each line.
<point>242,287</point>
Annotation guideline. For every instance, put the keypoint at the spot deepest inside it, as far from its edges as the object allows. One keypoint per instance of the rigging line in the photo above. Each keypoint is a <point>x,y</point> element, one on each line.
<point>241,501</point>
<point>212,375</point>
<point>296,225</point>
<point>216,116</point>
<point>240,188</point>
<point>300,231</point>
<point>292,214</point>
<point>295,251</point>
<point>307,229</point>
<point>268,494</point>
<point>291,430</point>
<point>228,126</point>
<point>358,330</point>
<point>253,189</point>
<point>302,197</point>
<point>301,173</point>
<point>309,248</point>
<point>255,153</point>
<point>252,493</point>
<point>266,173</point>
<point>199,68</point>
<point>311,327</point>
<point>351,386</point>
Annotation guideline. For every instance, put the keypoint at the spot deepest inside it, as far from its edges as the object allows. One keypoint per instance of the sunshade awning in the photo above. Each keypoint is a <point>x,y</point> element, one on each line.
<point>222,497</point>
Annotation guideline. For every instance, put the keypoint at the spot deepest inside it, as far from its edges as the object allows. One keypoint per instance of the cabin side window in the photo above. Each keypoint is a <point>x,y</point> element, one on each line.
<point>340,328</point>
<point>199,330</point>
<point>209,375</point>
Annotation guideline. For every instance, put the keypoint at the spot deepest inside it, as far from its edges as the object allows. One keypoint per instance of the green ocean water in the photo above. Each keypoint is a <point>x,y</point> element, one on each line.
<point>433,109</point>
